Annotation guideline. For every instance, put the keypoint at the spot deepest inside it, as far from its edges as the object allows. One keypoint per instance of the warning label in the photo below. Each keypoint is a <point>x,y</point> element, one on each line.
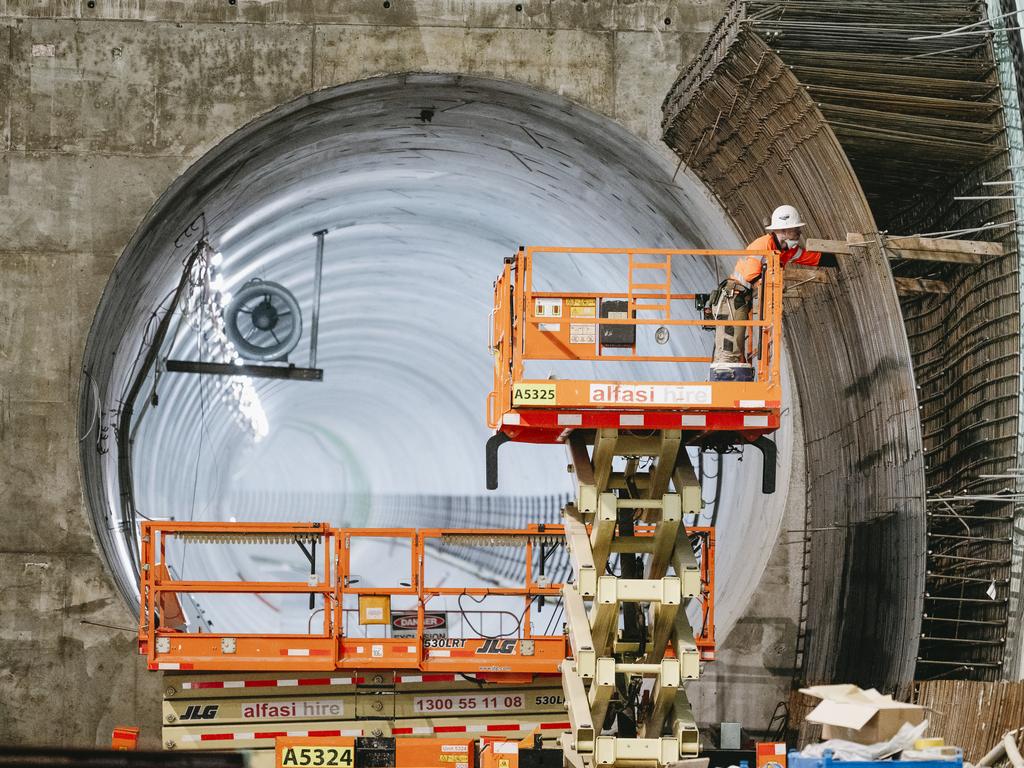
<point>582,333</point>
<point>582,307</point>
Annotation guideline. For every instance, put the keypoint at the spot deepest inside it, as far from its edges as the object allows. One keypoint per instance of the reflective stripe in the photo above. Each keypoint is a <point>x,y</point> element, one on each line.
<point>259,735</point>
<point>406,730</point>
<point>279,683</point>
<point>435,678</point>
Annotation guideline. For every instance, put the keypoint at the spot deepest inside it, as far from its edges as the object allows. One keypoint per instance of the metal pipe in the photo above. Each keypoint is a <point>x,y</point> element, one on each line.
<point>1012,752</point>
<point>639,669</point>
<point>999,751</point>
<point>317,275</point>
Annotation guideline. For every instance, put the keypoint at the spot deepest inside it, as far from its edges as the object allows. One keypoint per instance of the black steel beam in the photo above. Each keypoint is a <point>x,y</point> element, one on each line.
<point>256,371</point>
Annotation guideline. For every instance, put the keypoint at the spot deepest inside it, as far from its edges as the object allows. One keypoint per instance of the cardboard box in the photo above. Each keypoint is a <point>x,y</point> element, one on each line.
<point>866,717</point>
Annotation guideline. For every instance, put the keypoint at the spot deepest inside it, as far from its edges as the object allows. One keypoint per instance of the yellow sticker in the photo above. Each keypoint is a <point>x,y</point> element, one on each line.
<point>338,757</point>
<point>582,307</point>
<point>534,394</point>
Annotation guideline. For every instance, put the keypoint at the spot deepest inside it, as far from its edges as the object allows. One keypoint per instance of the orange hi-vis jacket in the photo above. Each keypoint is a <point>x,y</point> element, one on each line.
<point>749,268</point>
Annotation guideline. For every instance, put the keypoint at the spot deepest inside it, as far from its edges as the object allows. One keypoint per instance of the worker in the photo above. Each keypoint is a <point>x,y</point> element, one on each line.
<point>733,299</point>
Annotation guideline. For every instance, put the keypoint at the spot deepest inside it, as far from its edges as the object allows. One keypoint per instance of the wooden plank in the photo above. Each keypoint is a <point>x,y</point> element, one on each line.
<point>916,248</point>
<point>970,714</point>
<point>948,257</point>
<point>966,247</point>
<point>795,276</point>
<point>838,247</point>
<point>912,286</point>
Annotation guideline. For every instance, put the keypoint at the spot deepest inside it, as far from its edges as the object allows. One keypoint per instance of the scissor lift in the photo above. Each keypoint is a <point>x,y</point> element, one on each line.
<point>628,632</point>
<point>348,675</point>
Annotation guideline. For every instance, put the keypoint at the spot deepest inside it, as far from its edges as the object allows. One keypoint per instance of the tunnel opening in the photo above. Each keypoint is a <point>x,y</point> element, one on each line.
<point>424,183</point>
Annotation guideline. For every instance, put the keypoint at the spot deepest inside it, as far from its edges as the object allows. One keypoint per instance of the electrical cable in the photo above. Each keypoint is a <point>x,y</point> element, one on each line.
<point>465,618</point>
<point>146,343</point>
<point>556,611</point>
<point>199,448</point>
<point>479,683</point>
<point>718,490</point>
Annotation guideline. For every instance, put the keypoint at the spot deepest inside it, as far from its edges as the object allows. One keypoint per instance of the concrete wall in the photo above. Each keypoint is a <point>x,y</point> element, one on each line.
<point>102,105</point>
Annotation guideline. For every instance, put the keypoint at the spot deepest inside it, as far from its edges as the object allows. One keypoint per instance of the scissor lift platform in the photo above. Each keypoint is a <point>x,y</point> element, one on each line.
<point>231,690</point>
<point>631,322</point>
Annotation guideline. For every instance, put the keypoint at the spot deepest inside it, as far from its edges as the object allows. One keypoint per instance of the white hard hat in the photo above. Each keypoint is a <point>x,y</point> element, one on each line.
<point>785,217</point>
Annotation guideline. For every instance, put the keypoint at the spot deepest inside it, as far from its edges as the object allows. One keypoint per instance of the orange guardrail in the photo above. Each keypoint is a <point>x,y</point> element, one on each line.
<point>569,327</point>
<point>331,641</point>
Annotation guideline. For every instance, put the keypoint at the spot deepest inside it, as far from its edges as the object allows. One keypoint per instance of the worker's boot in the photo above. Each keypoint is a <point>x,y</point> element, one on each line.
<point>732,372</point>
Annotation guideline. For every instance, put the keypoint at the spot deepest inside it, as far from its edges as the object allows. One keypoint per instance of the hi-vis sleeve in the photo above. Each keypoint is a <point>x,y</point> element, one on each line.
<point>747,270</point>
<point>807,258</point>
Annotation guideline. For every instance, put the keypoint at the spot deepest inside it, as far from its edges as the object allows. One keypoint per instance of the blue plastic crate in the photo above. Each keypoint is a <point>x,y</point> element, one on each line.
<point>796,760</point>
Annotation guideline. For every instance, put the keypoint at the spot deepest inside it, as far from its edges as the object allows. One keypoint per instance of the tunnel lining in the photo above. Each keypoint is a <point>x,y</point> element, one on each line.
<point>741,120</point>
<point>616,170</point>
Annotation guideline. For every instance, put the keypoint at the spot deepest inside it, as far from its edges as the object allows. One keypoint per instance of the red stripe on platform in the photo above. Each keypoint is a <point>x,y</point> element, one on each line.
<point>259,683</point>
<point>400,731</point>
<point>323,733</point>
<point>449,729</point>
<point>269,734</point>
<point>506,727</point>
<point>217,737</point>
<point>315,681</point>
<point>553,726</point>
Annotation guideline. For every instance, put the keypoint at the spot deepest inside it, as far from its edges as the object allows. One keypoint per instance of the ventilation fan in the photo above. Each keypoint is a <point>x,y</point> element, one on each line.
<point>263,321</point>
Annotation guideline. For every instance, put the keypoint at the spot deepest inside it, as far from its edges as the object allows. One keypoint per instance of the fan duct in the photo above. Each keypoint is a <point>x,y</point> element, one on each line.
<point>263,321</point>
